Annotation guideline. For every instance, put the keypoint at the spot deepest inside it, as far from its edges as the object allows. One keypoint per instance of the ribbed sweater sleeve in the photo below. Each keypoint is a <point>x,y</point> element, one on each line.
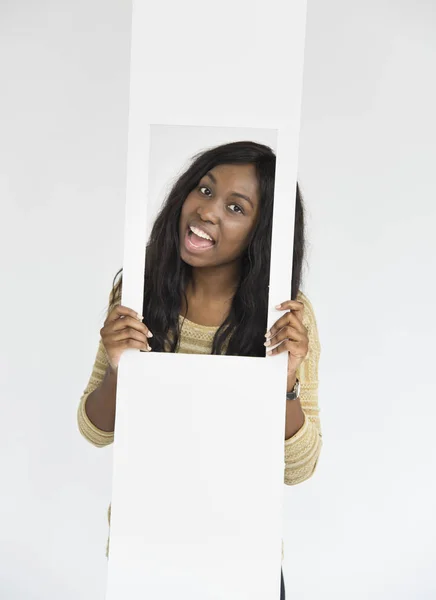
<point>93,434</point>
<point>302,450</point>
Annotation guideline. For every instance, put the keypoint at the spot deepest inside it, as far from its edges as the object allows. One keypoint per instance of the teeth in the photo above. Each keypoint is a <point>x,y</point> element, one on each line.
<point>200,233</point>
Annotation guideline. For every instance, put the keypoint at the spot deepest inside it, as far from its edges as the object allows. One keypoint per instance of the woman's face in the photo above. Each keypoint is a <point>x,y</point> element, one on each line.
<point>218,216</point>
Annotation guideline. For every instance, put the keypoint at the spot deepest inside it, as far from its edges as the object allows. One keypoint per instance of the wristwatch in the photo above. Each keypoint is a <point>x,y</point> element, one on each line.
<point>295,392</point>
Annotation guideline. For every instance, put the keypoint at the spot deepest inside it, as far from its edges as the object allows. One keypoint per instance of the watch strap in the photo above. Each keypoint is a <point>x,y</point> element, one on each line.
<point>295,392</point>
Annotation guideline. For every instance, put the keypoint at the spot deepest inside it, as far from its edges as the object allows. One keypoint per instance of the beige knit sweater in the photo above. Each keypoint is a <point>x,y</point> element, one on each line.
<point>301,450</point>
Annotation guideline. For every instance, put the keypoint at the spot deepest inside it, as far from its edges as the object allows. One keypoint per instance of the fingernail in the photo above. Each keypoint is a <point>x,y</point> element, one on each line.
<point>267,343</point>
<point>139,317</point>
<point>278,306</point>
<point>149,334</point>
<point>148,349</point>
<point>269,353</point>
<point>268,334</point>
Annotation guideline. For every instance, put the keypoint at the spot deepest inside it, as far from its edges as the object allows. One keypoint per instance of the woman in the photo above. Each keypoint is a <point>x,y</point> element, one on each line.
<point>206,291</point>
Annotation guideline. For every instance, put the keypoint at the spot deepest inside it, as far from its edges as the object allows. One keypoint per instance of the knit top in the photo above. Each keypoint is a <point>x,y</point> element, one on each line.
<point>301,451</point>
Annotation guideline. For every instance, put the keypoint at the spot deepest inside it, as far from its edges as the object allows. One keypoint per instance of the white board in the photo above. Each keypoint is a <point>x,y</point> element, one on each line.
<point>198,453</point>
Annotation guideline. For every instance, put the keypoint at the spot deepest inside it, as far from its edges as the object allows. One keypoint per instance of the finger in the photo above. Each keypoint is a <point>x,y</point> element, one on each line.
<point>122,311</point>
<point>120,324</point>
<point>287,319</point>
<point>287,333</point>
<point>290,305</point>
<point>286,346</point>
<point>125,344</point>
<point>125,334</point>
<point>294,305</point>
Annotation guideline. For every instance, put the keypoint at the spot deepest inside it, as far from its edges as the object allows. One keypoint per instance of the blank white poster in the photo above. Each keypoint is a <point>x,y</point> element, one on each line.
<point>199,440</point>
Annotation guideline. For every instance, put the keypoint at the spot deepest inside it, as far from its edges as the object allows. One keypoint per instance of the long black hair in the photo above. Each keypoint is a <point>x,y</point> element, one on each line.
<point>166,275</point>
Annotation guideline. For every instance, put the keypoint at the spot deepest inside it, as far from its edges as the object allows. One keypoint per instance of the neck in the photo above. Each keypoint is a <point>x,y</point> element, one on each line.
<point>210,285</point>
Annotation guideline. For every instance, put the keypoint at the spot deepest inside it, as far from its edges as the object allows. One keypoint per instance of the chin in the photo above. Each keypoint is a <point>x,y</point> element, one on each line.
<point>193,261</point>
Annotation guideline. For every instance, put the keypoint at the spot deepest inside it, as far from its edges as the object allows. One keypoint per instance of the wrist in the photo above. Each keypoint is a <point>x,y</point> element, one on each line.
<point>112,372</point>
<point>292,379</point>
<point>113,369</point>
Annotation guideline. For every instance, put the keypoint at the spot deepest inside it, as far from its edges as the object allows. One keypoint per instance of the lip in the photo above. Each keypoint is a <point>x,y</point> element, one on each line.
<point>191,248</point>
<point>204,229</point>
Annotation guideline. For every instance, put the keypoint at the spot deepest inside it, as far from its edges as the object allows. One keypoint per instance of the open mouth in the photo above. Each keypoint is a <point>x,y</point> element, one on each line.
<point>197,240</point>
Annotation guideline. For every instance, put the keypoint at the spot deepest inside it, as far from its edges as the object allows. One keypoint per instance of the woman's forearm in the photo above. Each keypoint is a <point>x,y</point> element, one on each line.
<point>294,413</point>
<point>100,404</point>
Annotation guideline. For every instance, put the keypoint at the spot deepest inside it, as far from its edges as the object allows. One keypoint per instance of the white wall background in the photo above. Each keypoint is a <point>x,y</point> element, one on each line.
<point>364,526</point>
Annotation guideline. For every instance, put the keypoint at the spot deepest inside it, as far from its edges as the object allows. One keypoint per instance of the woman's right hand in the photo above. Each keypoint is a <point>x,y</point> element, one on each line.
<point>123,329</point>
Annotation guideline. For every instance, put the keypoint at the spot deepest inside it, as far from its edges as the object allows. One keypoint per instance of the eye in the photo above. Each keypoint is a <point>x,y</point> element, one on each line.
<point>203,187</point>
<point>239,211</point>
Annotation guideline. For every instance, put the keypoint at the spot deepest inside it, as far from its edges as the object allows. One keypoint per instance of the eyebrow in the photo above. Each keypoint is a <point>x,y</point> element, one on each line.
<point>233,193</point>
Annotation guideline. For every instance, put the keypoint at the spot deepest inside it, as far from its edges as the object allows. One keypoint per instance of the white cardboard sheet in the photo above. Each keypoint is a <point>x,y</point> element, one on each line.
<point>198,453</point>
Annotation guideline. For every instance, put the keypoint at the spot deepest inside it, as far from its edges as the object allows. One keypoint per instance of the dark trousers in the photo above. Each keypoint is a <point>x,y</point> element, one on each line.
<point>282,589</point>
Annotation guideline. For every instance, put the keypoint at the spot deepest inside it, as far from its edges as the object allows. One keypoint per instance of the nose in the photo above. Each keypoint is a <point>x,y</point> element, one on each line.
<point>209,213</point>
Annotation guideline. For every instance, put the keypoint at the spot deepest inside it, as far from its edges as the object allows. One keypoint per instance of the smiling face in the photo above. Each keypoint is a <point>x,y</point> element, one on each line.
<point>219,215</point>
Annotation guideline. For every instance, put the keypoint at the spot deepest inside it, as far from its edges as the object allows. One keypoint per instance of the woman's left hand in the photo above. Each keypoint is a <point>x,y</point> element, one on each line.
<point>290,331</point>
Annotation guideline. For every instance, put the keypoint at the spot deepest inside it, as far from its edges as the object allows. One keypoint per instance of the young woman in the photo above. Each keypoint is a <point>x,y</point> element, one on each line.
<point>206,291</point>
